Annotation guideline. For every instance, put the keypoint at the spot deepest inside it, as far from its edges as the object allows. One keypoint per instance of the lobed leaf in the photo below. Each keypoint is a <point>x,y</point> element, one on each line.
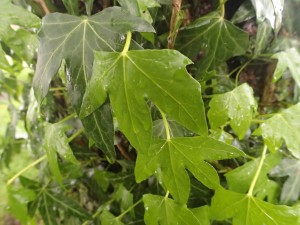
<point>244,209</point>
<point>168,159</point>
<point>238,106</point>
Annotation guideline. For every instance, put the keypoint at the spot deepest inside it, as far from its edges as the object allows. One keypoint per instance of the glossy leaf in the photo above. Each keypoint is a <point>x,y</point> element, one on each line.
<point>283,126</point>
<point>288,59</point>
<point>244,209</point>
<point>264,31</point>
<point>239,179</point>
<point>238,106</point>
<point>46,210</point>
<point>109,219</point>
<point>216,38</point>
<point>165,211</point>
<point>270,10</point>
<point>169,159</point>
<point>291,188</point>
<point>129,79</point>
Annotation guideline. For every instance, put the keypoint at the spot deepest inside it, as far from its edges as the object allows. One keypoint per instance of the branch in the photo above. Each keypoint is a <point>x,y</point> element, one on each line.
<point>174,23</point>
<point>44,6</point>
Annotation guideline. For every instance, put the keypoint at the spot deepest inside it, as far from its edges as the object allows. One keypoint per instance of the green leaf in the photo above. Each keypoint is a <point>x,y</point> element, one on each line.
<point>129,79</point>
<point>263,37</point>
<point>238,106</point>
<point>46,210</point>
<point>239,179</point>
<point>176,130</point>
<point>270,10</point>
<point>125,197</point>
<point>291,188</point>
<point>216,38</point>
<point>24,18</point>
<point>168,159</point>
<point>244,209</point>
<point>165,211</point>
<point>109,219</point>
<point>72,6</point>
<point>288,59</point>
<point>60,33</point>
<point>55,141</point>
<point>202,214</point>
<point>283,126</point>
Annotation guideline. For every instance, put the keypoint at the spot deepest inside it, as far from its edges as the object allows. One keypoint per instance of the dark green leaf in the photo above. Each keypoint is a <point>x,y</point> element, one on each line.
<point>165,211</point>
<point>125,197</point>
<point>283,126</point>
<point>237,106</point>
<point>213,37</point>
<point>46,210</point>
<point>169,158</point>
<point>72,6</point>
<point>291,187</point>
<point>129,79</point>
<point>248,210</point>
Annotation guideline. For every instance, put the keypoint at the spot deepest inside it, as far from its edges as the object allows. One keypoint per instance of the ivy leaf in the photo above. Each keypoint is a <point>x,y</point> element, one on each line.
<point>168,159</point>
<point>291,188</point>
<point>270,10</point>
<point>72,7</point>
<point>262,39</point>
<point>109,219</point>
<point>55,141</point>
<point>239,179</point>
<point>46,210</point>
<point>213,37</point>
<point>74,39</point>
<point>283,126</point>
<point>165,211</point>
<point>248,210</point>
<point>129,79</point>
<point>288,59</point>
<point>237,106</point>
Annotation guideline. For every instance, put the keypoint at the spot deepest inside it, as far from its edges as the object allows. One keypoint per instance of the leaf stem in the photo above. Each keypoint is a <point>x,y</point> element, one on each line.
<point>166,125</point>
<point>58,89</point>
<point>222,6</point>
<point>261,162</point>
<point>239,72</point>
<point>26,168</point>
<point>75,134</point>
<point>173,26</point>
<point>167,195</point>
<point>67,118</point>
<point>127,43</point>
<point>129,209</point>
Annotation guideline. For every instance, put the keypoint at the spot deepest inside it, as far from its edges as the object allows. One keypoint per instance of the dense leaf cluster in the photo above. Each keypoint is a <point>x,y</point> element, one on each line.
<point>150,112</point>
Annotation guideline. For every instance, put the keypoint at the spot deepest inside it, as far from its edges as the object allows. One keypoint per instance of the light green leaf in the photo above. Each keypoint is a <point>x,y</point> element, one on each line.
<point>291,188</point>
<point>263,36</point>
<point>176,130</point>
<point>165,211</point>
<point>288,59</point>
<point>168,159</point>
<point>55,141</point>
<point>129,79</point>
<point>283,126</point>
<point>239,179</point>
<point>109,219</point>
<point>244,209</point>
<point>238,106</point>
<point>244,13</point>
<point>202,214</point>
<point>72,6</point>
<point>216,38</point>
<point>46,210</point>
<point>270,10</point>
<point>11,14</point>
<point>125,197</point>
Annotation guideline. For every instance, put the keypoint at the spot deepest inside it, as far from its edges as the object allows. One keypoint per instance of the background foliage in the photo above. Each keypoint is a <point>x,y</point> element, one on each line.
<point>149,112</point>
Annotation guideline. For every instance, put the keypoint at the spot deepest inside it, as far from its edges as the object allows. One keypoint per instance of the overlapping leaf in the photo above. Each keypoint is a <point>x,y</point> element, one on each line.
<point>239,179</point>
<point>74,39</point>
<point>244,209</point>
<point>168,159</point>
<point>55,141</point>
<point>238,106</point>
<point>214,38</point>
<point>131,78</point>
<point>283,126</point>
<point>291,188</point>
<point>109,219</point>
<point>165,211</point>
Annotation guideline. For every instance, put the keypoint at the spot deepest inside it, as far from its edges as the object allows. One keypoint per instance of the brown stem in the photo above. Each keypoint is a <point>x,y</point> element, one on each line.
<point>173,32</point>
<point>44,6</point>
<point>123,152</point>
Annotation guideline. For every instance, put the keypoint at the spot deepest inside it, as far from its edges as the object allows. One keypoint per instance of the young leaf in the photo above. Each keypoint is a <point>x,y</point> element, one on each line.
<point>248,210</point>
<point>109,219</point>
<point>283,126</point>
<point>239,179</point>
<point>288,59</point>
<point>129,79</point>
<point>165,211</point>
<point>291,187</point>
<point>237,106</point>
<point>168,159</point>
<point>217,38</point>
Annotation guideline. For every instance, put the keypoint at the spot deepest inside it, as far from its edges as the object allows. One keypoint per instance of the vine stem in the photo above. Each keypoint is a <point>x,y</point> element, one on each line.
<point>127,43</point>
<point>222,5</point>
<point>174,17</point>
<point>166,125</point>
<point>75,134</point>
<point>67,118</point>
<point>239,72</point>
<point>44,6</point>
<point>129,209</point>
<point>261,162</point>
<point>25,169</point>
